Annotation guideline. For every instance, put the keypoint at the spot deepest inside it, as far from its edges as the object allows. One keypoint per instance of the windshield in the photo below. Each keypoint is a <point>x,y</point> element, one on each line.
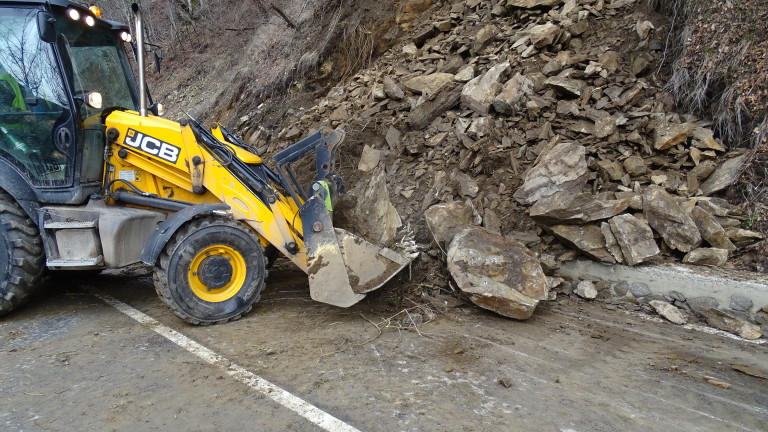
<point>97,64</point>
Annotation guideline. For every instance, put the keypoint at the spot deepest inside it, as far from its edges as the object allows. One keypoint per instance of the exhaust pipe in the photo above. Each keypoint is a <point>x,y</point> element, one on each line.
<point>139,25</point>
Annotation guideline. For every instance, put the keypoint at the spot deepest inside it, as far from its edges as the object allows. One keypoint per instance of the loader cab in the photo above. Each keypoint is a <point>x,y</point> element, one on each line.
<point>57,59</point>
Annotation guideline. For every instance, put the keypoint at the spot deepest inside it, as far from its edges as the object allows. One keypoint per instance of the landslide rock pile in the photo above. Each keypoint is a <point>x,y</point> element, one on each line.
<point>547,120</point>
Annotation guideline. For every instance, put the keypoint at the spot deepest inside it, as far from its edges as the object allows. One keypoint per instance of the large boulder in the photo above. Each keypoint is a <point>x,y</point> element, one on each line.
<point>544,34</point>
<point>445,220</point>
<point>428,84</point>
<point>367,211</point>
<point>566,87</point>
<point>530,4</point>
<point>732,324</point>
<point>564,168</point>
<point>513,94</point>
<point>567,208</point>
<point>634,237</point>
<point>479,93</point>
<point>497,273</point>
<point>711,230</point>
<point>588,239</point>
<point>668,219</point>
<point>724,175</point>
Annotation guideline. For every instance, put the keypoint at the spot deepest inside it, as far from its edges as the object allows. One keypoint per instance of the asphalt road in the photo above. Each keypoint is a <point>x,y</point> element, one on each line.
<point>71,362</point>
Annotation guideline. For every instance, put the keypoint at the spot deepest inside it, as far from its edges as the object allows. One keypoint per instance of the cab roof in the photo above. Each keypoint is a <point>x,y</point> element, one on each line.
<point>65,4</point>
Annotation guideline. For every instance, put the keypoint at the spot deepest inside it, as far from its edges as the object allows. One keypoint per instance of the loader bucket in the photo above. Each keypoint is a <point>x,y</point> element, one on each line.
<point>342,266</point>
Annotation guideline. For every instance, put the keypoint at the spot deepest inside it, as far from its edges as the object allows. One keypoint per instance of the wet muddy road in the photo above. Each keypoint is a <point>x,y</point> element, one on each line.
<point>71,362</point>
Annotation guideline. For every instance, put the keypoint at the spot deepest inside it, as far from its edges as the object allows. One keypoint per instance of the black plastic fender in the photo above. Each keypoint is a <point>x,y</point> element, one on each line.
<point>14,183</point>
<point>168,228</point>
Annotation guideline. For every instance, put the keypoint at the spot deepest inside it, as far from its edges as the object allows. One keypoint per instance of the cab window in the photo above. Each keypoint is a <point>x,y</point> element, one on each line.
<point>33,102</point>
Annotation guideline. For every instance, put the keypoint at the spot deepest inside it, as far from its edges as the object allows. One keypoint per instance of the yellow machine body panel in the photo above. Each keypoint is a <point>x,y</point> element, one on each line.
<point>163,158</point>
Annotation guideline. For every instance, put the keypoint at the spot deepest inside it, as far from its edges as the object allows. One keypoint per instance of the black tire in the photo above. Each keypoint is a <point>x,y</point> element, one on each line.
<point>22,259</point>
<point>181,287</point>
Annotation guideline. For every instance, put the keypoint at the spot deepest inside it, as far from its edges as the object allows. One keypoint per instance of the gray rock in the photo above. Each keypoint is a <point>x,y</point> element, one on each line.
<point>699,173</point>
<point>544,34</point>
<point>706,256</point>
<point>676,296</point>
<point>586,289</point>
<point>635,238</point>
<point>669,312</point>
<point>639,289</point>
<point>485,36</point>
<point>710,230</point>
<point>698,304</point>
<point>367,211</point>
<point>428,84</point>
<point>673,223</point>
<point>730,323</point>
<point>445,220</point>
<point>741,237</point>
<point>564,168</point>
<point>393,138</point>
<point>566,87</point>
<point>496,273</point>
<point>479,93</point>
<point>466,185</point>
<point>611,169</point>
<point>621,288</point>
<point>567,208</point>
<point>724,175</point>
<point>586,238</point>
<point>480,127</point>
<point>740,303</point>
<point>635,166</point>
<point>611,244</point>
<point>666,136</point>
<point>391,89</point>
<point>369,159</point>
<point>604,127</point>
<point>530,4</point>
<point>513,94</point>
<point>610,61</point>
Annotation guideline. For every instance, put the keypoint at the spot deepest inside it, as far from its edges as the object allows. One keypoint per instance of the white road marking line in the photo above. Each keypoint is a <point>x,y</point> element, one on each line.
<point>277,394</point>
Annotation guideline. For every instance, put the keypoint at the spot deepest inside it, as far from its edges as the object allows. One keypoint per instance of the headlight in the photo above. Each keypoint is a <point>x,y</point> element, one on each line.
<point>94,100</point>
<point>160,110</point>
<point>125,36</point>
<point>73,14</point>
<point>90,20</point>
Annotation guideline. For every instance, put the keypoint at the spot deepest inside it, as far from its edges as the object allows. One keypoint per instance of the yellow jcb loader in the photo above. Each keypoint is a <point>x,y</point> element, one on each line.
<point>91,177</point>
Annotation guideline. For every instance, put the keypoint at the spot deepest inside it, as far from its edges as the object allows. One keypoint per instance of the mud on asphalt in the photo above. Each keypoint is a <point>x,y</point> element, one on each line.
<point>68,362</point>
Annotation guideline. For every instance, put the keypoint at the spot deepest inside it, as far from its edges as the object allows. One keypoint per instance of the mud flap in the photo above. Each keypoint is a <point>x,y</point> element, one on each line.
<point>342,266</point>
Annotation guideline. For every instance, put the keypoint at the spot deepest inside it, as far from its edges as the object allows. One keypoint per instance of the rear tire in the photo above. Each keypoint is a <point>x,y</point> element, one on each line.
<point>211,271</point>
<point>21,255</point>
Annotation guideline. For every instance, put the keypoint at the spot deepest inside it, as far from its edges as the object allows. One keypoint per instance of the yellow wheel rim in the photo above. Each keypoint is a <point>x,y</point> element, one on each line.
<point>224,289</point>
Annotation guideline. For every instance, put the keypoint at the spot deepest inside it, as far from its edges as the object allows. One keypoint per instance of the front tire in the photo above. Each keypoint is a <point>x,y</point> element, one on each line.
<point>21,255</point>
<point>211,271</point>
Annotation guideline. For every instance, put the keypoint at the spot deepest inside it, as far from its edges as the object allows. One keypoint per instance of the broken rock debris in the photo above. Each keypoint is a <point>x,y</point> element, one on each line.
<point>531,119</point>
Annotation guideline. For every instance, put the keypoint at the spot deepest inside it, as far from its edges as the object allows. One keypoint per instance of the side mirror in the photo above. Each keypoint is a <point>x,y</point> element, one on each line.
<point>45,27</point>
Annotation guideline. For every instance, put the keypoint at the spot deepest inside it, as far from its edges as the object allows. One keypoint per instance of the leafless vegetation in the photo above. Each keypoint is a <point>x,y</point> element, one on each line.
<point>719,68</point>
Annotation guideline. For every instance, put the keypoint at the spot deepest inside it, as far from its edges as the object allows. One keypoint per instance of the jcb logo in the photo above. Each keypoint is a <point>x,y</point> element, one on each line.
<point>152,146</point>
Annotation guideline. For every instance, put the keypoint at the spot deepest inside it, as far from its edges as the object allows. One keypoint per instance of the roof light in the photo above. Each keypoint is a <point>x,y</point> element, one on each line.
<point>125,36</point>
<point>89,20</point>
<point>73,14</point>
<point>95,10</point>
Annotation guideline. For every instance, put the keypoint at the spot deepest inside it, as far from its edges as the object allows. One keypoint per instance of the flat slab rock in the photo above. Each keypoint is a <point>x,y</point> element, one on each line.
<point>496,273</point>
<point>564,168</point>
